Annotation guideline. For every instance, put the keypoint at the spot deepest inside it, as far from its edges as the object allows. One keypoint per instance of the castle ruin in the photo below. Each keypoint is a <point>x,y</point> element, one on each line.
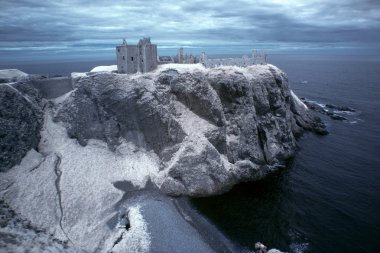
<point>143,58</point>
<point>136,58</point>
<point>181,57</point>
<point>258,57</point>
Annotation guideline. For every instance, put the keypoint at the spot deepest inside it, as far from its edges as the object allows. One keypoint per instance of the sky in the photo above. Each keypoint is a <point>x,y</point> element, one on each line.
<point>52,30</point>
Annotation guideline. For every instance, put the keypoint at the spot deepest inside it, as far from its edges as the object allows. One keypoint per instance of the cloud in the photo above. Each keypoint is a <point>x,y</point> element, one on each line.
<point>27,23</point>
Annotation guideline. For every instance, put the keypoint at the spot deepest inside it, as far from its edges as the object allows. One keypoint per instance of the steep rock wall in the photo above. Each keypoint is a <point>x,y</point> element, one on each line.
<point>186,129</point>
<point>211,128</point>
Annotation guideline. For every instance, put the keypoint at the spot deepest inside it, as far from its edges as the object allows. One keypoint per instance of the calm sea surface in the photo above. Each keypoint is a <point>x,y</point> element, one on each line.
<point>328,199</point>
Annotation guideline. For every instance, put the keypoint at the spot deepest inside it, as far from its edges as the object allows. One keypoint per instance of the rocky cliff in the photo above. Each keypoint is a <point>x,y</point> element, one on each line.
<point>210,128</point>
<point>81,161</point>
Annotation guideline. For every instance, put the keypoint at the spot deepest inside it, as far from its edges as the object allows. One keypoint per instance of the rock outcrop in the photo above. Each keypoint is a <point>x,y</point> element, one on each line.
<point>211,128</point>
<point>21,119</point>
<point>336,112</point>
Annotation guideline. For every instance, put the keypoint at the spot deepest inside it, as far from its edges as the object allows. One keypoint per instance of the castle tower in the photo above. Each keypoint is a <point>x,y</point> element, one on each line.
<point>136,58</point>
<point>259,57</point>
<point>203,59</point>
<point>254,56</point>
<point>122,57</point>
<point>147,55</point>
<point>180,55</point>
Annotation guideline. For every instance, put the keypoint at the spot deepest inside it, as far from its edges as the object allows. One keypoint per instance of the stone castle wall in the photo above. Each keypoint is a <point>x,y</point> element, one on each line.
<point>136,58</point>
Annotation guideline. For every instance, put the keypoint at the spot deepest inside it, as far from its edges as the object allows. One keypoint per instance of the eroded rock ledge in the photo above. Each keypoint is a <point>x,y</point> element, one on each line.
<point>210,128</point>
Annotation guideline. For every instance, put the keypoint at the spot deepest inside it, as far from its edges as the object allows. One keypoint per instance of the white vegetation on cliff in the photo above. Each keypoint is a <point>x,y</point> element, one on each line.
<point>137,238</point>
<point>195,143</point>
<point>253,71</point>
<point>104,68</point>
<point>85,184</point>
<point>75,75</point>
<point>181,68</point>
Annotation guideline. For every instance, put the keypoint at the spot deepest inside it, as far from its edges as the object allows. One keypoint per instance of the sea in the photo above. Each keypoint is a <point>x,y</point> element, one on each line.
<point>328,197</point>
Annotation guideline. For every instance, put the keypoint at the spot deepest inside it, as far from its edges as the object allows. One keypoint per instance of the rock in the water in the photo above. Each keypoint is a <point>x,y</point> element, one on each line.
<point>20,122</point>
<point>340,108</point>
<point>274,251</point>
<point>261,248</point>
<point>329,109</point>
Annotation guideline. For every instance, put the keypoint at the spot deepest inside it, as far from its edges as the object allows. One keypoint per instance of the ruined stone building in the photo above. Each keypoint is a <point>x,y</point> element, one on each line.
<point>259,57</point>
<point>184,58</point>
<point>143,58</point>
<point>180,56</point>
<point>203,59</point>
<point>136,58</point>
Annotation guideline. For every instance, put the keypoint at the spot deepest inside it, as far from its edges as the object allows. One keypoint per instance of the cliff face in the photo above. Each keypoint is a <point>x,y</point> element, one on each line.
<point>210,128</point>
<point>99,155</point>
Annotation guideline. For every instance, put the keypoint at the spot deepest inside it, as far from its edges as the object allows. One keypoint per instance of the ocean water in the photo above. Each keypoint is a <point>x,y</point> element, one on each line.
<point>328,198</point>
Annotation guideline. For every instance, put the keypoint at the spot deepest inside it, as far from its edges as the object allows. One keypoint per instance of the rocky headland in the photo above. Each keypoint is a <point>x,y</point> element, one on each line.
<point>95,167</point>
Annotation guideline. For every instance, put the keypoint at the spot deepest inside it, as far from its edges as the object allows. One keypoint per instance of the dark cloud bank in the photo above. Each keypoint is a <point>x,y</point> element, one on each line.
<point>51,29</point>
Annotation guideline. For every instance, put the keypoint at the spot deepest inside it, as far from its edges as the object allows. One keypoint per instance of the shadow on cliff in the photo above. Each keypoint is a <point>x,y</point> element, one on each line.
<point>253,211</point>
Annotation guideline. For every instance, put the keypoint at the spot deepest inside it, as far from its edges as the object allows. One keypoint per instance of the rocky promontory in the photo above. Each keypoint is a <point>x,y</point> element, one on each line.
<point>83,161</point>
<point>210,128</point>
